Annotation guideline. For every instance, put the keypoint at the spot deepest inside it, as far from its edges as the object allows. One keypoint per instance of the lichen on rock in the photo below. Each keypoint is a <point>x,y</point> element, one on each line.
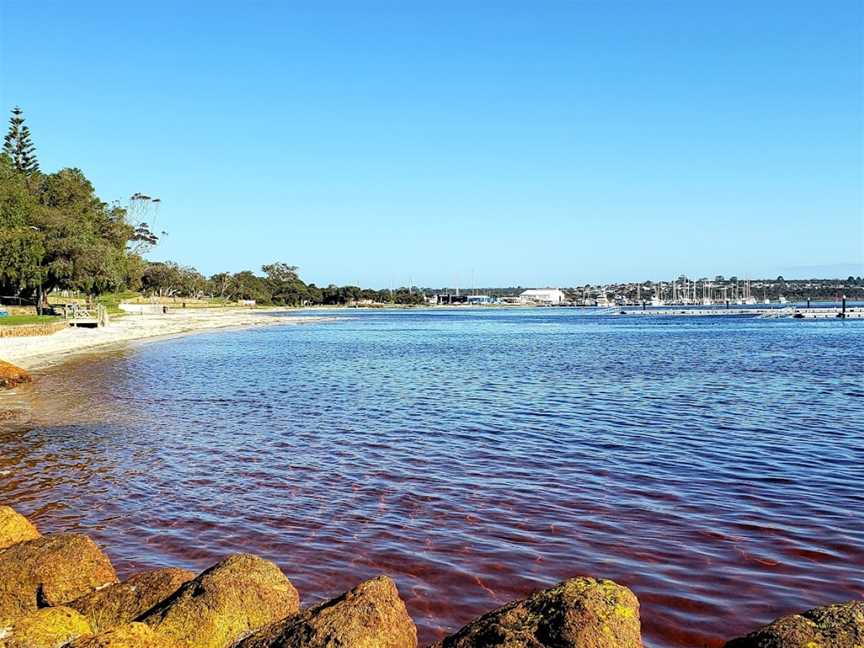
<point>369,616</point>
<point>225,603</point>
<point>131,635</point>
<point>48,571</point>
<point>578,613</point>
<point>46,628</point>
<point>834,626</point>
<point>11,376</point>
<point>15,528</point>
<point>123,602</point>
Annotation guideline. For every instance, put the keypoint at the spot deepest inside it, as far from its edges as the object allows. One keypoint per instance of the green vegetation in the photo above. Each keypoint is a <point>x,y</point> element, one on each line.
<point>55,233</point>
<point>18,146</point>
<point>58,237</point>
<point>20,320</point>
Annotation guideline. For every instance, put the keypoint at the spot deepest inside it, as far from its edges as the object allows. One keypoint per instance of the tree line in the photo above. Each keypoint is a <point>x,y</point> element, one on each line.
<point>56,234</point>
<point>279,284</point>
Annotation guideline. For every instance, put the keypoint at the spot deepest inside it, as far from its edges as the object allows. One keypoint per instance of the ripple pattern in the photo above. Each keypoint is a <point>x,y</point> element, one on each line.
<point>715,467</point>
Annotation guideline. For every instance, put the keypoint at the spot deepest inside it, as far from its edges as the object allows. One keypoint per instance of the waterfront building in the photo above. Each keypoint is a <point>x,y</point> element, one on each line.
<point>481,299</point>
<point>546,296</point>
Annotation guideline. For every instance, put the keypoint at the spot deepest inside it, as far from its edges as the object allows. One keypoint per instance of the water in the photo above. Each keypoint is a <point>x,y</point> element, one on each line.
<point>713,465</point>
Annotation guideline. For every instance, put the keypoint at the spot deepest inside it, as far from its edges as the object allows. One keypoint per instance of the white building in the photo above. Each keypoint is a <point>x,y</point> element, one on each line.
<point>546,296</point>
<point>481,299</point>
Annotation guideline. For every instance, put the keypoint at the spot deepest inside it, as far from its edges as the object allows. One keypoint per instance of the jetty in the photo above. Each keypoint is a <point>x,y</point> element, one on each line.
<point>824,313</point>
<point>77,315</point>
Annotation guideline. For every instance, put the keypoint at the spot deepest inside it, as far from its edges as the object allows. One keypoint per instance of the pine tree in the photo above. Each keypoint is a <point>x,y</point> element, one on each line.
<point>18,146</point>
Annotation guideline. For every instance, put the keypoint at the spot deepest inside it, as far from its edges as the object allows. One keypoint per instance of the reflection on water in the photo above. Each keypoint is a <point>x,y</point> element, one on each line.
<point>713,466</point>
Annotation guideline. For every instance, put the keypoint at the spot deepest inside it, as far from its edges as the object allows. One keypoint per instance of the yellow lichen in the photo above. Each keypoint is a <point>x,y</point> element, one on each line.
<point>15,528</point>
<point>46,628</point>
<point>132,635</point>
<point>624,612</point>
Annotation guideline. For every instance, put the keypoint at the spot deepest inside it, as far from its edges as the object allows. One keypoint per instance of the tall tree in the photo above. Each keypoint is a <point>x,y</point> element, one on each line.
<point>284,284</point>
<point>21,244</point>
<point>18,145</point>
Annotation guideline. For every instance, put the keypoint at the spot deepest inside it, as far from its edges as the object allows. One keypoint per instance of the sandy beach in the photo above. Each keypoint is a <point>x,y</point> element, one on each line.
<point>36,351</point>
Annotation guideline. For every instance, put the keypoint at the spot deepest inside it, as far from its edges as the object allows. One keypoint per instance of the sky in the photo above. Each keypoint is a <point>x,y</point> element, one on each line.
<point>462,143</point>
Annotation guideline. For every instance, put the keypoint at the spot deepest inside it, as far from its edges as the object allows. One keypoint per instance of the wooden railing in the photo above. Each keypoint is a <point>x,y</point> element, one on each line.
<point>76,314</point>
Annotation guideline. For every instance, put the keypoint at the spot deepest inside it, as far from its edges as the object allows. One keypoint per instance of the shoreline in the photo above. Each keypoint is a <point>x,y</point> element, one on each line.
<point>37,352</point>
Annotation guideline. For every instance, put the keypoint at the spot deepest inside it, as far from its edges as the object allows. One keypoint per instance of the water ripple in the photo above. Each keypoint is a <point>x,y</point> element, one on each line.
<point>712,466</point>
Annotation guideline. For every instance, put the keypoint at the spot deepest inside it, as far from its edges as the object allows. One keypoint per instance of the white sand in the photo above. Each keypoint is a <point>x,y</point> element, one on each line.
<point>36,351</point>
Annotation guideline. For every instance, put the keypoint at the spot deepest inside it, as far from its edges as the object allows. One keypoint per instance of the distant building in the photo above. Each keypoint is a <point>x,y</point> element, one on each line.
<point>546,296</point>
<point>481,299</point>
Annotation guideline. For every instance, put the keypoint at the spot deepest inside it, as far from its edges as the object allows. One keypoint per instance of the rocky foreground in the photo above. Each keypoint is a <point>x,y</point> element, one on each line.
<point>61,591</point>
<point>11,376</point>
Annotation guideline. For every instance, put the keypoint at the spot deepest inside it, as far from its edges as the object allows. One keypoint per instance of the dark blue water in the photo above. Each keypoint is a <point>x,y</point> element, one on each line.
<point>714,465</point>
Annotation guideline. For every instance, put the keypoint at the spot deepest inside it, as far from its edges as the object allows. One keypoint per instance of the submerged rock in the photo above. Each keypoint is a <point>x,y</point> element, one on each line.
<point>124,602</point>
<point>15,528</point>
<point>52,570</point>
<point>46,628</point>
<point>369,616</point>
<point>10,375</point>
<point>225,603</point>
<point>832,626</point>
<point>578,613</point>
<point>132,635</point>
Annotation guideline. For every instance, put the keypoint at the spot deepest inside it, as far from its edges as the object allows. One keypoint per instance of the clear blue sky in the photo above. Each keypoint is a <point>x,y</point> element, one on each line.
<point>513,142</point>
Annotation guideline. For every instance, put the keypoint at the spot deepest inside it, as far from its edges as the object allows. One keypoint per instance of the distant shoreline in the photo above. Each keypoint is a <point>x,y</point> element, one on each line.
<point>36,352</point>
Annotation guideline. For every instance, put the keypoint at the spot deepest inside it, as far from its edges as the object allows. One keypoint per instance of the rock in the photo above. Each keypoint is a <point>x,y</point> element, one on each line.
<point>46,628</point>
<point>50,571</point>
<point>833,626</point>
<point>124,602</point>
<point>132,635</point>
<point>10,375</point>
<point>225,603</point>
<point>369,616</point>
<point>15,528</point>
<point>578,613</point>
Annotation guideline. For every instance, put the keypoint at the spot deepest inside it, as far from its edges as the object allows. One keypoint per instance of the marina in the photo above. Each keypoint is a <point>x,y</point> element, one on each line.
<point>828,312</point>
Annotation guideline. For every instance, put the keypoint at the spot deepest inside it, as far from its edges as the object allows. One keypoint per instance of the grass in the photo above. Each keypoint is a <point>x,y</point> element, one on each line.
<point>21,320</point>
<point>111,301</point>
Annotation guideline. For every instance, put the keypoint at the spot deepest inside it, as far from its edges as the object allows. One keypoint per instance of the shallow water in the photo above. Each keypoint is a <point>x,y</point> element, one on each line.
<point>713,465</point>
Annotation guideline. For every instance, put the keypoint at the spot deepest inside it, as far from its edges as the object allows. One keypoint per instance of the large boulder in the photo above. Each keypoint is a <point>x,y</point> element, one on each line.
<point>15,528</point>
<point>369,616</point>
<point>50,571</point>
<point>833,626</point>
<point>132,635</point>
<point>578,613</point>
<point>10,375</point>
<point>46,628</point>
<point>228,601</point>
<point>124,602</point>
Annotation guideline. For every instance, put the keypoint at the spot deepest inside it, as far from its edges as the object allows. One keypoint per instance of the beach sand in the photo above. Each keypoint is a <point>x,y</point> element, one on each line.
<point>37,351</point>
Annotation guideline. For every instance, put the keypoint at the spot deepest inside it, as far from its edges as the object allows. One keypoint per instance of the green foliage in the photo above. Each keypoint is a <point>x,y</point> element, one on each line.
<point>18,146</point>
<point>169,279</point>
<point>247,285</point>
<point>284,285</point>
<point>21,244</point>
<point>85,239</point>
<point>55,233</point>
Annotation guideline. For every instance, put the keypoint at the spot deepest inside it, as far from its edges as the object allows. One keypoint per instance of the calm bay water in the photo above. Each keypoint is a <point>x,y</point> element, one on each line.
<point>713,465</point>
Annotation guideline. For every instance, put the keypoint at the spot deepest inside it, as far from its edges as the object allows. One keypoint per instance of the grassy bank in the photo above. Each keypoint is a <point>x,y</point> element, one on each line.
<point>28,320</point>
